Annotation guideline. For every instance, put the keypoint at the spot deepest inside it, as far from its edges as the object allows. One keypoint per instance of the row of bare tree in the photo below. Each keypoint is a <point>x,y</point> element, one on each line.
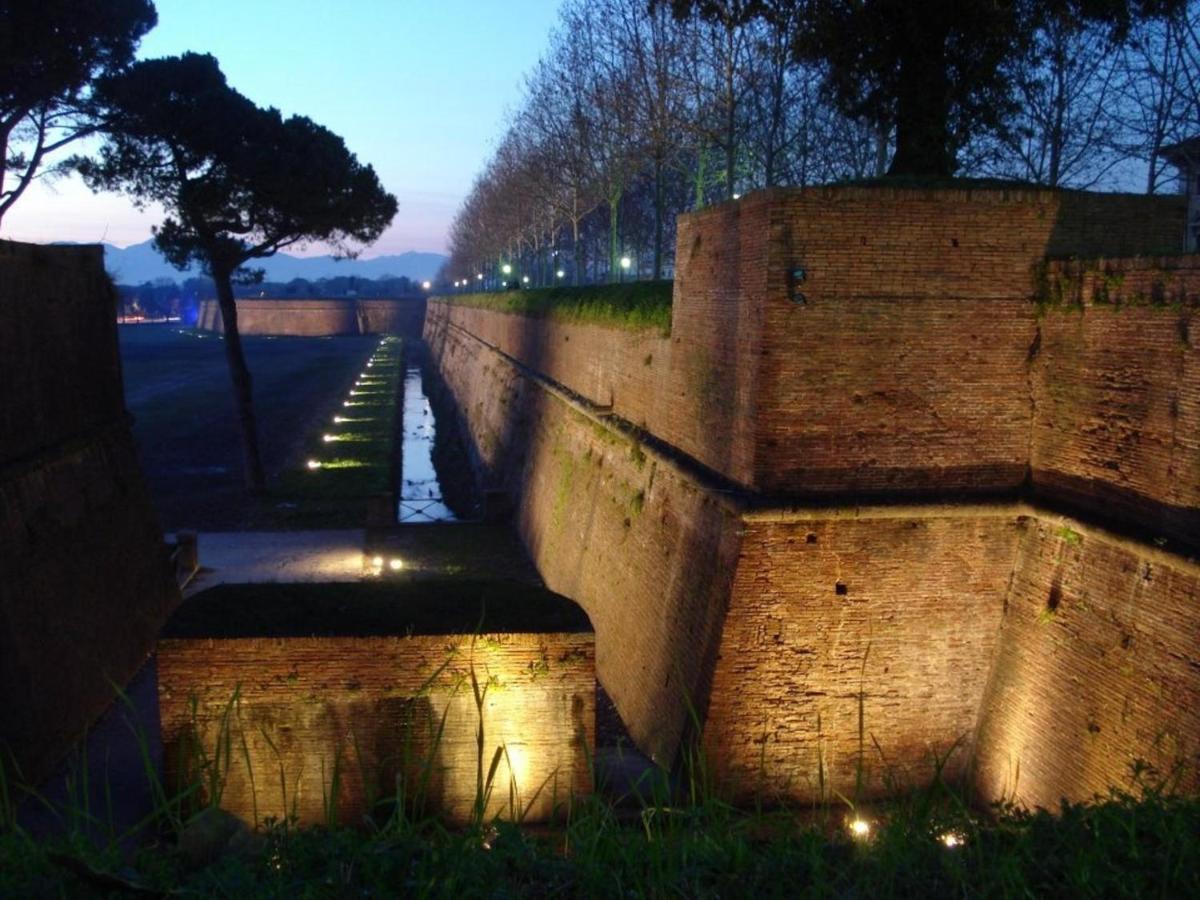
<point>634,115</point>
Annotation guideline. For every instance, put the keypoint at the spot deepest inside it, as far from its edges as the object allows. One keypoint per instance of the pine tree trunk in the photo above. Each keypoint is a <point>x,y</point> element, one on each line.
<point>252,468</point>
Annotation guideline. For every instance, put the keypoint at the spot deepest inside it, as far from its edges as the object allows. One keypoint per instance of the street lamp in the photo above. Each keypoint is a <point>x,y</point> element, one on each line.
<point>506,269</point>
<point>425,285</point>
<point>559,274</point>
<point>626,262</point>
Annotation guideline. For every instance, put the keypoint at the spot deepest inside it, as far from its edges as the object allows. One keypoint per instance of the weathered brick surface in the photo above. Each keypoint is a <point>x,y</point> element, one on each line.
<point>60,374</point>
<point>1097,667</point>
<point>1116,382</point>
<point>919,362</point>
<point>84,579</point>
<point>318,318</point>
<point>641,547</point>
<point>900,610</point>
<point>926,357</point>
<point>369,709</point>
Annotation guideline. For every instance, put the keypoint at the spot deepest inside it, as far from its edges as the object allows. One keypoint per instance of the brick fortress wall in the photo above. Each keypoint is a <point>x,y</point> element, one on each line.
<point>84,579</point>
<point>928,358</point>
<point>318,318</point>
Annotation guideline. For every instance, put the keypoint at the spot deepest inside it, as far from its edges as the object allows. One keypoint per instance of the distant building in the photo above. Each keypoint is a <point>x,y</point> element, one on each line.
<point>1185,156</point>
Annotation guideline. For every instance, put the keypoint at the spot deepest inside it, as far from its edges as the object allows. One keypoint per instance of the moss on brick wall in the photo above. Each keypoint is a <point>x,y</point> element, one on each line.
<point>637,306</point>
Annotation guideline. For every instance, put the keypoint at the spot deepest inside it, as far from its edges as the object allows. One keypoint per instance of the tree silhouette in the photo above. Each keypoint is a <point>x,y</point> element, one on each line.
<point>238,183</point>
<point>941,70</point>
<point>51,51</point>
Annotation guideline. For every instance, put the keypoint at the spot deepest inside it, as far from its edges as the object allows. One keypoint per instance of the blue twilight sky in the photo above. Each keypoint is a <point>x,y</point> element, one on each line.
<point>417,88</point>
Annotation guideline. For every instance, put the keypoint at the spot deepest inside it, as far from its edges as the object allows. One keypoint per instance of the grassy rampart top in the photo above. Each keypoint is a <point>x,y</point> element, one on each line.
<point>636,306</point>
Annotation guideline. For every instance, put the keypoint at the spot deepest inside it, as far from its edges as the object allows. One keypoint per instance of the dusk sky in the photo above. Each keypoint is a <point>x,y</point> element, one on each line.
<point>417,88</point>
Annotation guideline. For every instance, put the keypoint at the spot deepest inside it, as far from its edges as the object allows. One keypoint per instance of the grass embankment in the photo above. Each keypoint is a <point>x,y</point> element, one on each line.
<point>637,305</point>
<point>659,842</point>
<point>177,387</point>
<point>349,461</point>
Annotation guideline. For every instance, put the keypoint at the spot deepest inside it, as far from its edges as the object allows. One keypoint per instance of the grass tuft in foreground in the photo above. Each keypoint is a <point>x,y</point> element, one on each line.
<point>662,841</point>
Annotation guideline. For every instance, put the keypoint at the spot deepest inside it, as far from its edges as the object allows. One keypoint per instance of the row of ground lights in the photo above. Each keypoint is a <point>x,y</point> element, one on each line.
<point>364,386</point>
<point>860,829</point>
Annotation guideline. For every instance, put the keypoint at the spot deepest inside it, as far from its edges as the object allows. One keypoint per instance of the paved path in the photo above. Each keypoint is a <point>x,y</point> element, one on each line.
<point>245,557</point>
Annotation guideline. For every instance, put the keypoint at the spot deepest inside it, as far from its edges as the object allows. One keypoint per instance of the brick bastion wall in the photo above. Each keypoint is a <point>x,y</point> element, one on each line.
<point>772,549</point>
<point>84,580</point>
<point>318,318</point>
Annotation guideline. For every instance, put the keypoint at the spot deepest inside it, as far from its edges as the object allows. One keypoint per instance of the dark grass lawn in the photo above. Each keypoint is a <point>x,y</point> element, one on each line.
<point>178,388</point>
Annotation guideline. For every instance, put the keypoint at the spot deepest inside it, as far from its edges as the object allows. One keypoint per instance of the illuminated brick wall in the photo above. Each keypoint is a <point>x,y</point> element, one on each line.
<point>1097,667</point>
<point>643,548</point>
<point>935,354</point>
<point>84,579</point>
<point>340,721</point>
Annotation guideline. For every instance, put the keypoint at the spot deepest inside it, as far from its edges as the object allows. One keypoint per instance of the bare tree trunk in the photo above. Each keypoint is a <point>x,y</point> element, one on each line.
<point>658,215</point>
<point>252,468</point>
<point>614,251</point>
<point>5,132</point>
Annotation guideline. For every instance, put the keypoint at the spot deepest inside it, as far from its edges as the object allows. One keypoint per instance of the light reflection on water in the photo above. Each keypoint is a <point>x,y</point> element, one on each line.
<point>420,492</point>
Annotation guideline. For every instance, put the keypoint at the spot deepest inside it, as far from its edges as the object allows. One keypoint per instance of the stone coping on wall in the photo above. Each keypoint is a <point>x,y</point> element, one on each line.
<point>426,607</point>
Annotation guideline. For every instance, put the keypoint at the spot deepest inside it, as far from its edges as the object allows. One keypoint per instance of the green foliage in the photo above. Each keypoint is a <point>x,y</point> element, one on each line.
<point>637,306</point>
<point>50,53</point>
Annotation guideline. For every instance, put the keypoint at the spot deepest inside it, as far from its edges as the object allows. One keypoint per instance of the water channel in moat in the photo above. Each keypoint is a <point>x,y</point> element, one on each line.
<point>421,496</point>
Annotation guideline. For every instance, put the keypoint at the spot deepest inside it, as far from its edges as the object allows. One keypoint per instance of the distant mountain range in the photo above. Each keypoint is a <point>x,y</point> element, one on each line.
<point>141,262</point>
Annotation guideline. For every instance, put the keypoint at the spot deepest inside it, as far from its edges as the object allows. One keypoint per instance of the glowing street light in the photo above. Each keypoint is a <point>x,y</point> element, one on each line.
<point>479,276</point>
<point>395,565</point>
<point>506,269</point>
<point>626,262</point>
<point>425,285</point>
<point>559,274</point>
<point>525,279</point>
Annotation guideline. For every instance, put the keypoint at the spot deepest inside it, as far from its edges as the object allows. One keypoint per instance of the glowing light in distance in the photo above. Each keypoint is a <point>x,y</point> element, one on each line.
<point>626,262</point>
<point>395,565</point>
<point>377,562</point>
<point>327,438</point>
<point>860,828</point>
<point>559,274</point>
<point>479,276</point>
<point>338,420</point>
<point>314,464</point>
<point>506,269</point>
<point>426,285</point>
<point>952,839</point>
